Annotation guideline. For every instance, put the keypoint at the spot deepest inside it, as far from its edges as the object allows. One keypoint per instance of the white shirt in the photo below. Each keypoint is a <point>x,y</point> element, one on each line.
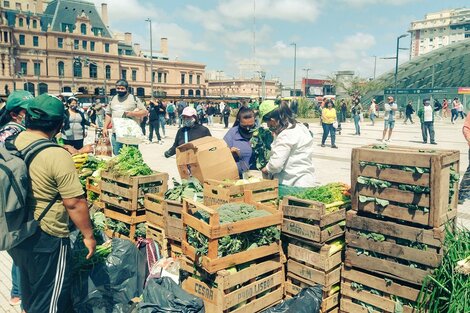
<point>292,157</point>
<point>428,113</point>
<point>389,112</point>
<point>373,108</point>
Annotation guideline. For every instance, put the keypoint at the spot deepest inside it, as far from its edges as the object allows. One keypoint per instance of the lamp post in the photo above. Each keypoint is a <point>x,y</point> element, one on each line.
<point>375,64</point>
<point>306,80</point>
<point>396,63</point>
<point>263,84</point>
<point>295,62</point>
<point>151,57</point>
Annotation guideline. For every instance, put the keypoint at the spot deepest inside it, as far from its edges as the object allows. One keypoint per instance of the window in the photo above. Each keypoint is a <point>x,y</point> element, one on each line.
<point>190,79</point>
<point>84,44</point>
<point>182,79</point>
<point>83,29</point>
<point>128,52</point>
<point>92,45</point>
<point>36,41</point>
<point>164,78</point>
<point>37,69</point>
<point>60,43</point>
<point>60,69</point>
<point>96,30</point>
<point>153,77</point>
<point>6,4</point>
<point>124,74</point>
<point>93,70</point>
<point>106,47</point>
<point>35,24</point>
<point>22,40</point>
<point>108,71</point>
<point>24,68</point>
<point>77,69</point>
<point>198,79</point>
<point>159,77</point>
<point>18,6</point>
<point>21,22</point>
<point>134,75</point>
<point>182,92</point>
<point>76,43</point>
<point>67,27</point>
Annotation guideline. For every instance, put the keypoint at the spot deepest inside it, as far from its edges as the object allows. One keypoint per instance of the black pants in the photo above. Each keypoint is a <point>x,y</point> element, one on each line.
<point>427,128</point>
<point>408,117</point>
<point>172,118</point>
<point>46,272</point>
<point>142,126</point>
<point>226,121</point>
<point>464,192</point>
<point>77,144</point>
<point>328,129</point>
<point>154,126</point>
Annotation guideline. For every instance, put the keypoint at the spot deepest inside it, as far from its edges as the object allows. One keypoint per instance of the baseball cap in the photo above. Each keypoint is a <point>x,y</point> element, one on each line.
<point>19,98</point>
<point>46,107</point>
<point>189,111</point>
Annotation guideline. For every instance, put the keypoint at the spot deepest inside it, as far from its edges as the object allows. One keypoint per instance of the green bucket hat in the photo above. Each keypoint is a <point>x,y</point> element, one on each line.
<point>46,107</point>
<point>265,107</point>
<point>19,98</point>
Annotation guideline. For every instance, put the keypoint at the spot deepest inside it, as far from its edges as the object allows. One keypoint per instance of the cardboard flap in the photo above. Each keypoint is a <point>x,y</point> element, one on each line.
<point>205,143</point>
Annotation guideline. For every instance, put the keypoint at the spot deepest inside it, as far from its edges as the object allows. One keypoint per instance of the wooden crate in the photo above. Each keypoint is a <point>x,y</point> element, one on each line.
<point>158,235</point>
<point>396,250</point>
<point>220,192</point>
<point>214,231</point>
<point>173,220</point>
<point>131,218</point>
<point>312,275</point>
<point>154,208</point>
<point>174,248</point>
<point>361,286</point>
<point>93,184</point>
<point>128,192</point>
<point>323,226</point>
<point>249,290</point>
<point>330,302</point>
<point>437,208</point>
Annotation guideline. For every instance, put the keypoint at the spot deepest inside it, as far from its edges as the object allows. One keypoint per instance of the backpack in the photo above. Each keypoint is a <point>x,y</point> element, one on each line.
<point>17,223</point>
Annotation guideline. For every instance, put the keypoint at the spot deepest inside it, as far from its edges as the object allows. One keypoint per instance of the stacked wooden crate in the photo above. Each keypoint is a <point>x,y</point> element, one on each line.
<point>93,184</point>
<point>313,235</point>
<point>123,198</point>
<point>247,281</point>
<point>403,201</point>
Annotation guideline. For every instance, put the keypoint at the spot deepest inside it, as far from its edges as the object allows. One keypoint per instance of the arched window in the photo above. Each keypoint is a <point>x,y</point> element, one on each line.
<point>182,92</point>
<point>60,69</point>
<point>93,71</point>
<point>190,93</point>
<point>108,71</point>
<point>20,22</point>
<point>77,69</point>
<point>198,93</point>
<point>83,29</point>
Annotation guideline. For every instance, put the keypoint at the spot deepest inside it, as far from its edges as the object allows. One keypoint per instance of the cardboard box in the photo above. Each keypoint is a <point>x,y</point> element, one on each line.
<point>206,158</point>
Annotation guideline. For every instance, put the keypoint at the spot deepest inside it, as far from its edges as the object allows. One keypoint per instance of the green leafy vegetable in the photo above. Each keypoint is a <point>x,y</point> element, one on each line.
<point>190,189</point>
<point>129,162</point>
<point>261,142</point>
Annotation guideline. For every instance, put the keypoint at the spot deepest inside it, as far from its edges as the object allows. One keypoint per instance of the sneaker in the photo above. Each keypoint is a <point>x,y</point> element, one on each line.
<point>160,142</point>
<point>425,142</point>
<point>433,143</point>
<point>15,301</point>
<point>323,145</point>
<point>334,147</point>
<point>389,140</point>
<point>383,141</point>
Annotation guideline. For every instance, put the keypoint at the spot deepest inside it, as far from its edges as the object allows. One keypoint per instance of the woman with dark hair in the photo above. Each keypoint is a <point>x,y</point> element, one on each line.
<point>291,160</point>
<point>238,139</point>
<point>74,125</point>
<point>328,116</point>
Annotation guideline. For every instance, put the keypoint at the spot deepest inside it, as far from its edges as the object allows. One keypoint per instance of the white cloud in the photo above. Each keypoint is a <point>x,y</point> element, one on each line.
<point>130,10</point>
<point>374,2</point>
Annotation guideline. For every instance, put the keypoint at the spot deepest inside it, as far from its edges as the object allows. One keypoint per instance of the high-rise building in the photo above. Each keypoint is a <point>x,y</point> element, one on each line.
<point>439,29</point>
<point>67,46</point>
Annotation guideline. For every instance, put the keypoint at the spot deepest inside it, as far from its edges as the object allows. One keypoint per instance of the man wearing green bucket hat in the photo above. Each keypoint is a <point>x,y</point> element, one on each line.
<point>57,192</point>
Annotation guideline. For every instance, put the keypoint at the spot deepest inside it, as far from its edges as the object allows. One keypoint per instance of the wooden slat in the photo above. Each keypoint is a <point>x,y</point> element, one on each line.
<point>155,219</point>
<point>318,259</point>
<point>90,184</point>
<point>230,280</point>
<point>394,157</point>
<point>124,204</point>
<point>396,212</point>
<point>396,195</point>
<point>131,218</point>
<point>347,306</point>
<point>395,175</point>
<point>314,275</point>
<point>116,190</point>
<point>312,232</point>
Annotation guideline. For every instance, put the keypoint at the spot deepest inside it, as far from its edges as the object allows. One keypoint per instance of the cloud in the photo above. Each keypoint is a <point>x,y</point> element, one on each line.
<point>360,3</point>
<point>131,10</point>
<point>209,19</point>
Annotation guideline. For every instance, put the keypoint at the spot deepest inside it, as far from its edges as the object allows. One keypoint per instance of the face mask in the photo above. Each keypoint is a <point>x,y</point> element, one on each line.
<point>121,93</point>
<point>73,107</point>
<point>23,120</point>
<point>189,123</point>
<point>245,131</point>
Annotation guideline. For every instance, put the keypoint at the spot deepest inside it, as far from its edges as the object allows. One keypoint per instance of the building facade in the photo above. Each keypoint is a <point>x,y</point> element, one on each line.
<point>439,29</point>
<point>244,88</point>
<point>67,46</point>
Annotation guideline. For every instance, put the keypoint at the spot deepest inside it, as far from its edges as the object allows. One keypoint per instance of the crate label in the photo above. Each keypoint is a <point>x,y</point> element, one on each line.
<point>256,289</point>
<point>204,291</point>
<point>295,228</point>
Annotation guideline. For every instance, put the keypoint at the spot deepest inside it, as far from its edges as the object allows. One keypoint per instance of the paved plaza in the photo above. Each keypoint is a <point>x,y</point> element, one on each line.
<point>330,164</point>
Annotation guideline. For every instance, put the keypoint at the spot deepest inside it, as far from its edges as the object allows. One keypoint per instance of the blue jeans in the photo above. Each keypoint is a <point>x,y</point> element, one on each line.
<point>162,120</point>
<point>117,145</point>
<point>372,118</point>
<point>328,129</point>
<point>357,119</point>
<point>15,281</point>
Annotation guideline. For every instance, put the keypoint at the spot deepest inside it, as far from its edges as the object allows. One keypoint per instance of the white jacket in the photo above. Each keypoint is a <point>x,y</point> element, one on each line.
<point>292,157</point>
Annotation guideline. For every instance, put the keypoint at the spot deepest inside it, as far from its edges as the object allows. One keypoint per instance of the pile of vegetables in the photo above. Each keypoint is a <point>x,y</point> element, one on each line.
<point>261,143</point>
<point>334,195</point>
<point>229,213</point>
<point>188,188</point>
<point>122,228</point>
<point>91,167</point>
<point>129,162</point>
<point>244,181</point>
<point>448,288</point>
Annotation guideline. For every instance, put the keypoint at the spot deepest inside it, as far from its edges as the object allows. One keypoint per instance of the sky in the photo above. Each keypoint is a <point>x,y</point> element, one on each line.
<point>330,35</point>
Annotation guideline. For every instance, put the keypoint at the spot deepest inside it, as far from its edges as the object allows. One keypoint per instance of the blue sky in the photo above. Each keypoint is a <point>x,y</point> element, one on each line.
<point>331,35</point>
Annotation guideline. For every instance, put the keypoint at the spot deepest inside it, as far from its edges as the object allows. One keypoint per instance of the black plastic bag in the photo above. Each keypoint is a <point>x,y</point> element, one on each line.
<point>308,300</point>
<point>108,287</point>
<point>164,295</point>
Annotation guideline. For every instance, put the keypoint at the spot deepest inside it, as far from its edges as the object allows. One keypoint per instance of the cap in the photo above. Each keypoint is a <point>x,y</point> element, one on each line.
<point>19,98</point>
<point>46,107</point>
<point>189,111</point>
<point>265,107</point>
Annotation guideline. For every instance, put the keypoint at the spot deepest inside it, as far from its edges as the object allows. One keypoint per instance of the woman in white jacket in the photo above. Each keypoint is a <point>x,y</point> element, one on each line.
<point>291,160</point>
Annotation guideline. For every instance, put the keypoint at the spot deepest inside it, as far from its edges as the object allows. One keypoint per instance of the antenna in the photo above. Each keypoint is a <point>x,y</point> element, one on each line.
<point>254,31</point>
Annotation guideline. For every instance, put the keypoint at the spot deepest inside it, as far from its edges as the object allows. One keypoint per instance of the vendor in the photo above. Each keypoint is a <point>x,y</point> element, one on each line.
<point>238,139</point>
<point>190,131</point>
<point>291,158</point>
<point>74,125</point>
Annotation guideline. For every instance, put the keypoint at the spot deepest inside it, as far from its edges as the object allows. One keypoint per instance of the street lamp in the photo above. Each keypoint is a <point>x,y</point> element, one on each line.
<point>375,64</point>
<point>151,57</point>
<point>306,80</point>
<point>263,84</point>
<point>396,63</point>
<point>295,62</point>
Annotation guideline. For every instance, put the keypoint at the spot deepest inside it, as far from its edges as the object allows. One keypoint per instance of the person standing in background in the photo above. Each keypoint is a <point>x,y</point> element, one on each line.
<point>154,122</point>
<point>328,117</point>
<point>408,112</point>
<point>210,115</point>
<point>74,125</point>
<point>373,111</point>
<point>455,106</point>
<point>426,117</point>
<point>460,111</point>
<point>180,107</point>
<point>226,114</point>
<point>161,112</point>
<point>171,110</point>
<point>389,119</point>
<point>445,108</point>
<point>344,110</point>
<point>356,112</point>
<point>100,113</point>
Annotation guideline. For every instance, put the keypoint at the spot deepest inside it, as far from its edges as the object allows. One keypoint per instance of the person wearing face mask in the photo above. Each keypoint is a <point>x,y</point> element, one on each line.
<point>291,160</point>
<point>12,121</point>
<point>190,131</point>
<point>74,125</point>
<point>328,116</point>
<point>123,105</point>
<point>238,140</point>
